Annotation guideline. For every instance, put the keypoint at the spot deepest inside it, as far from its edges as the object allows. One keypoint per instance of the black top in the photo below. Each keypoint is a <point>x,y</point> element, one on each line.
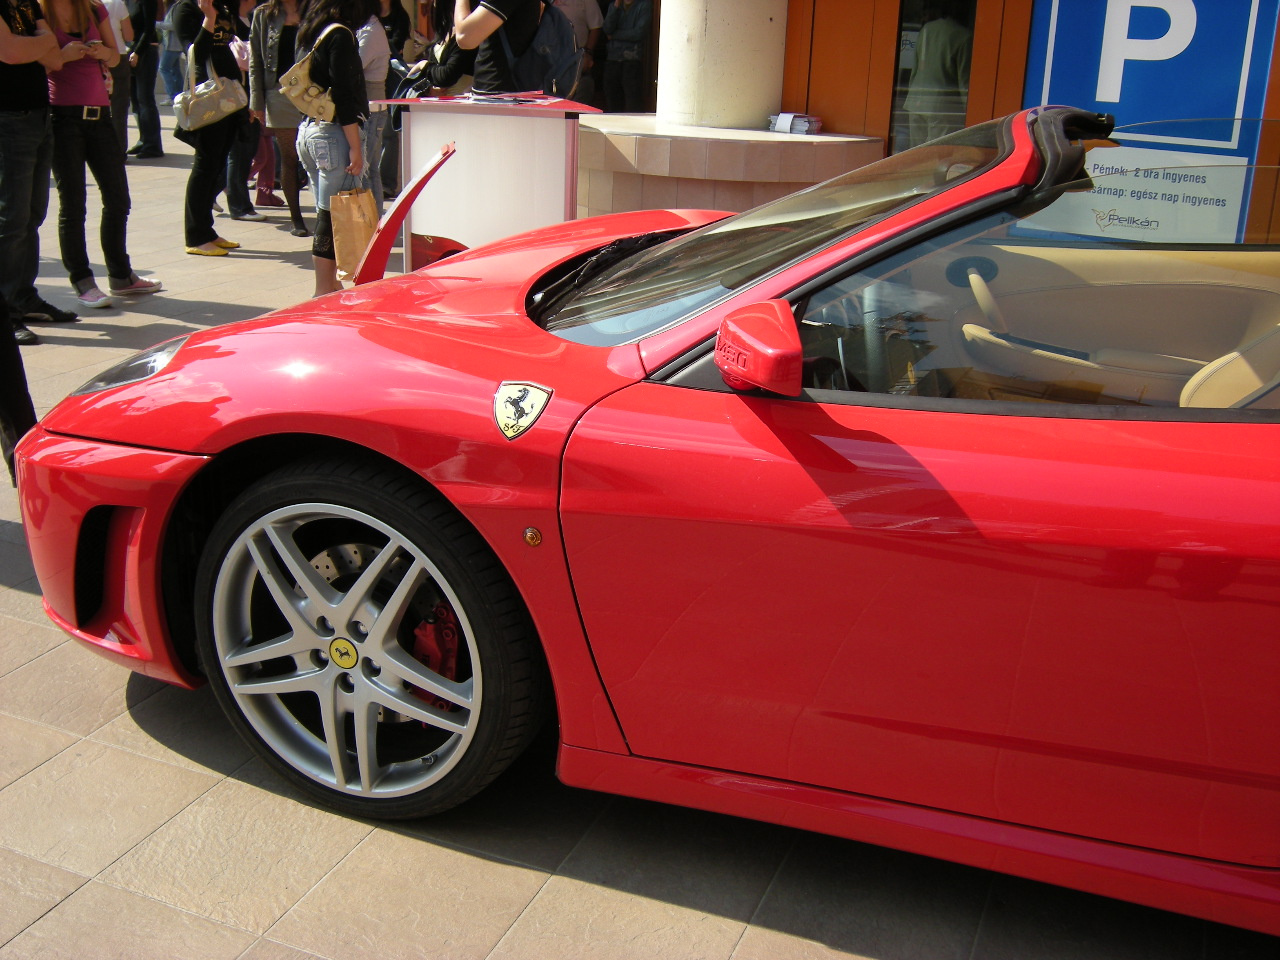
<point>288,41</point>
<point>396,23</point>
<point>520,23</point>
<point>336,67</point>
<point>142,16</point>
<point>23,86</point>
<point>453,64</point>
<point>188,23</point>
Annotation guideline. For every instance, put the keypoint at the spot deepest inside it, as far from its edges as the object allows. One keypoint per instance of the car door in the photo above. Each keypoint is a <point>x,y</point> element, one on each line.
<point>937,580</point>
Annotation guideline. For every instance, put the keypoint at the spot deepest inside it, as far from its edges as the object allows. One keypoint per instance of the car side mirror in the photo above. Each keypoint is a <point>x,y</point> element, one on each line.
<point>759,346</point>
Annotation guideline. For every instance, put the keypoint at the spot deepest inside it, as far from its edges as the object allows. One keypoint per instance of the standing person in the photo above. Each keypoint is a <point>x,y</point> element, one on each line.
<point>273,38</point>
<point>587,20</point>
<point>17,413</point>
<point>476,28</point>
<point>333,152</point>
<point>245,145</point>
<point>208,27</point>
<point>122,30</point>
<point>938,91</point>
<point>626,30</point>
<point>144,60</point>
<point>27,47</point>
<point>395,21</point>
<point>447,69</point>
<point>83,135</point>
<point>375,57</point>
<point>170,55</point>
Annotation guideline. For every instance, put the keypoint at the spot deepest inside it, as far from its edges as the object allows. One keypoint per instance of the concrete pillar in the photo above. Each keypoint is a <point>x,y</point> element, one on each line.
<point>720,62</point>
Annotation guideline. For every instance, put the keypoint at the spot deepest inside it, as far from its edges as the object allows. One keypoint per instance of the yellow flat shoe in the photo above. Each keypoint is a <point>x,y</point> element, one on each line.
<point>225,244</point>
<point>201,252</point>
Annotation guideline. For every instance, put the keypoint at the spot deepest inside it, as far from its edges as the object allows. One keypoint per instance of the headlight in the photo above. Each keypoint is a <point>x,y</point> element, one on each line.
<point>138,367</point>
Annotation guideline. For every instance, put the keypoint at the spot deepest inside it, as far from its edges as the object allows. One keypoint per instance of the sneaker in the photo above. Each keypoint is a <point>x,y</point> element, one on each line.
<point>268,200</point>
<point>22,333</point>
<point>253,215</point>
<point>94,298</point>
<point>47,313</point>
<point>217,207</point>
<point>136,284</point>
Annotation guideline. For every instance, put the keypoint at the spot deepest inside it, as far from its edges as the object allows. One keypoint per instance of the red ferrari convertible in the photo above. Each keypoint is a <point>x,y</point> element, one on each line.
<point>934,506</point>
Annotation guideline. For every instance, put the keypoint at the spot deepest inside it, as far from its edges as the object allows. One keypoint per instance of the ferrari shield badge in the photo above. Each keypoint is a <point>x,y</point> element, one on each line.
<point>517,405</point>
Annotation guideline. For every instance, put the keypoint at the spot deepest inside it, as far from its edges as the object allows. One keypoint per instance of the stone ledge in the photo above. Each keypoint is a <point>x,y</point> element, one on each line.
<point>635,161</point>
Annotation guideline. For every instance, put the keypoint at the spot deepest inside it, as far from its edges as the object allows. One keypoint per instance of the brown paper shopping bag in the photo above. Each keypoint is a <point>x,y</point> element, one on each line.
<point>355,220</point>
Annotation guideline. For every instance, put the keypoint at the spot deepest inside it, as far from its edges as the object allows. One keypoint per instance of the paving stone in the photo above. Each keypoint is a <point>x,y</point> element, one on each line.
<point>86,807</point>
<point>99,921</point>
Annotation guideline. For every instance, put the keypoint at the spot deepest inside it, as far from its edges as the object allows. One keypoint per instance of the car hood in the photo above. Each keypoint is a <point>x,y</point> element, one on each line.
<point>438,342</point>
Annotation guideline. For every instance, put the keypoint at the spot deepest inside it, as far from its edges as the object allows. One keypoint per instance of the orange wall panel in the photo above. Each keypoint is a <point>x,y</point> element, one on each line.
<point>795,66</point>
<point>841,58</point>
<point>840,63</point>
<point>1015,37</point>
<point>1263,225</point>
<point>852,51</point>
<point>1001,32</point>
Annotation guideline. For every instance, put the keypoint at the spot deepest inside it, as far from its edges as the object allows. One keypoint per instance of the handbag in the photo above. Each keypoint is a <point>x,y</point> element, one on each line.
<point>217,97</point>
<point>296,84</point>
<point>354,216</point>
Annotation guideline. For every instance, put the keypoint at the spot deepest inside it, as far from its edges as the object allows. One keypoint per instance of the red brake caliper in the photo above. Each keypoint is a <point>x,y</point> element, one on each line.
<point>435,643</point>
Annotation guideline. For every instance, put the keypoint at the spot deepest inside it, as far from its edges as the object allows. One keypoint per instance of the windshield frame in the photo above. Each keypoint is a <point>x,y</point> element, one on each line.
<point>578,312</point>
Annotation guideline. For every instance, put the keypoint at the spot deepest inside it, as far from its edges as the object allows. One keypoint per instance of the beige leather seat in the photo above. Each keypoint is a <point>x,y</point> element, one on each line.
<point>1127,374</point>
<point>1231,380</point>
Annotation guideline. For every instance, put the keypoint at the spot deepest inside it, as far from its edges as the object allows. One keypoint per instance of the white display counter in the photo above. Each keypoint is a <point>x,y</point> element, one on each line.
<point>516,169</point>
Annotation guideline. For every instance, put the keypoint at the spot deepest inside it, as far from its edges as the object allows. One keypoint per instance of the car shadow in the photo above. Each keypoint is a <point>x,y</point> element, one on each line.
<point>843,897</point>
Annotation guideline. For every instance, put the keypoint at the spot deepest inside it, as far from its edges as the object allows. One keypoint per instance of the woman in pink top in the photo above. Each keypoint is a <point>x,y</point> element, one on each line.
<point>83,135</point>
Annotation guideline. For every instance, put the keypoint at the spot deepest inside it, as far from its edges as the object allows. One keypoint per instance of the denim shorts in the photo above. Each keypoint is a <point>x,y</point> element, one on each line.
<point>323,150</point>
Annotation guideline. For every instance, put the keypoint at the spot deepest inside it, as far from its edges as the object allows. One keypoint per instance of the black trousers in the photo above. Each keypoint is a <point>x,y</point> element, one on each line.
<point>213,146</point>
<point>142,97</point>
<point>17,414</point>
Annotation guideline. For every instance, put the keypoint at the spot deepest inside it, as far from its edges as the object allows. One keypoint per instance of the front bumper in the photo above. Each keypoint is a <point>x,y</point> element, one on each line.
<point>95,515</point>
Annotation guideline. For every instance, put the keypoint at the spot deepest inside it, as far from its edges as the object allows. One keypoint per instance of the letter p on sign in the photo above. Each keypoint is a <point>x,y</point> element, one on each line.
<point>1118,47</point>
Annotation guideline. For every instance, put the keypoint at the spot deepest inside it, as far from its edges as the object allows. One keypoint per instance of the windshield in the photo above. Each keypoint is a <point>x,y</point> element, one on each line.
<point>650,291</point>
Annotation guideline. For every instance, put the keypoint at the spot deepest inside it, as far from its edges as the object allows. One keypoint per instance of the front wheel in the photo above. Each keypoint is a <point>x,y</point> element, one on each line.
<point>363,639</point>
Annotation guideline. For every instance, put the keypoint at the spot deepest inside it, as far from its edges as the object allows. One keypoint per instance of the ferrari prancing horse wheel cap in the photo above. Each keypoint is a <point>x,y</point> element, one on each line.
<point>343,653</point>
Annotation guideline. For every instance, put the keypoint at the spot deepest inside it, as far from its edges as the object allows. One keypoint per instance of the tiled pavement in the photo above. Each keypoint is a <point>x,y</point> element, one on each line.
<point>134,824</point>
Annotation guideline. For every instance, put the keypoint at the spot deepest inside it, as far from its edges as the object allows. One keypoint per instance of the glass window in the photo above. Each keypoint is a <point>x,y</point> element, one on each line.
<point>642,294</point>
<point>1017,308</point>
<point>931,95</point>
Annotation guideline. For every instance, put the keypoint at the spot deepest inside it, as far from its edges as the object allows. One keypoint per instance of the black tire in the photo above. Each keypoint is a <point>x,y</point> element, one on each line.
<point>352,694</point>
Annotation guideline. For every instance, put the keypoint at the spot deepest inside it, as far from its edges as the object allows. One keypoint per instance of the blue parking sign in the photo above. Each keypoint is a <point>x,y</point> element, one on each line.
<point>1157,60</point>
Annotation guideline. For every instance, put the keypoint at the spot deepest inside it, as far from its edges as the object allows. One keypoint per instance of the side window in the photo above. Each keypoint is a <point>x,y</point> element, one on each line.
<point>992,313</point>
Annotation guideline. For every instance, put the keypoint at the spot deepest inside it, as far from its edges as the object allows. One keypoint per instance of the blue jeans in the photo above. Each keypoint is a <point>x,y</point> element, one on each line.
<point>323,150</point>
<point>76,143</point>
<point>234,177</point>
<point>171,72</point>
<point>142,97</point>
<point>374,129</point>
<point>389,162</point>
<point>26,156</point>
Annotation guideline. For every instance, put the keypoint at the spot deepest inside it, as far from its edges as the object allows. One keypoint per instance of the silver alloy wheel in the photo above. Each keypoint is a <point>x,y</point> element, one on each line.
<point>314,616</point>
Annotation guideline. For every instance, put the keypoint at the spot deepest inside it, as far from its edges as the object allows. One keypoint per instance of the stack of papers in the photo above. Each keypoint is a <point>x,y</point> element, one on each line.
<point>795,123</point>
